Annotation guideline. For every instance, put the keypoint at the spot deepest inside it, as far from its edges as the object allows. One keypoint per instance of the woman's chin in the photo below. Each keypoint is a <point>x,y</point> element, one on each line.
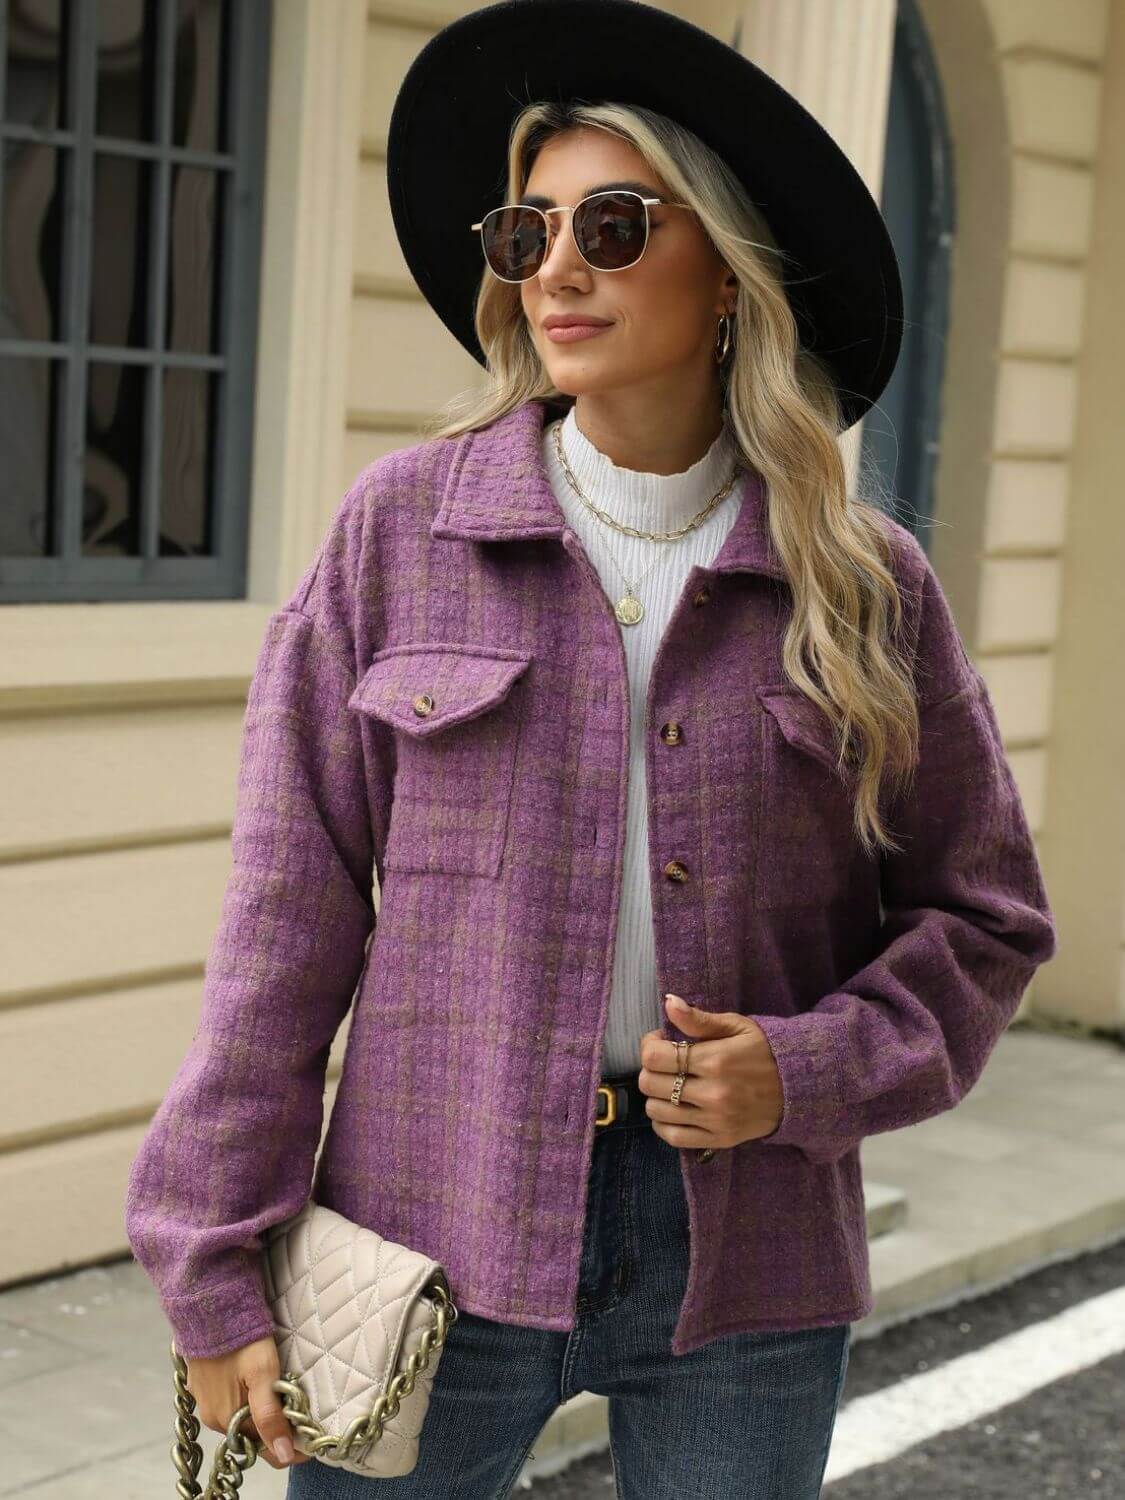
<point>574,382</point>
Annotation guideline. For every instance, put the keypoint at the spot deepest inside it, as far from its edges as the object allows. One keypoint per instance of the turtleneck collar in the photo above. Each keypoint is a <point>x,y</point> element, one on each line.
<point>655,502</point>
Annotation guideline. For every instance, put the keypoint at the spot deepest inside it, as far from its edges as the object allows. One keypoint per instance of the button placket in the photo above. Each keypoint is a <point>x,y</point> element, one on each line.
<point>674,735</point>
<point>671,733</point>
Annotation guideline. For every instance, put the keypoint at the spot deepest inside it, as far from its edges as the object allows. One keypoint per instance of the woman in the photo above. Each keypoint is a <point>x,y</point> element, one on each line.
<point>699,856</point>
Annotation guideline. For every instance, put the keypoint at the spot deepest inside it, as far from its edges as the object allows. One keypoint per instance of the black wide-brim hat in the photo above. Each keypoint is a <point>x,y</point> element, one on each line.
<point>447,152</point>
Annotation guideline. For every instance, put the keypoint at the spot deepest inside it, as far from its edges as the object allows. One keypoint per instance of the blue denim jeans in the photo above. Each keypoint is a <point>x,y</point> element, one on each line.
<point>747,1417</point>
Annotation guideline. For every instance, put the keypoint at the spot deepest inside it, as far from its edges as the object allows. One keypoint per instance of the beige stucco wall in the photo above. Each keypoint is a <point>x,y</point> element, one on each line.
<point>401,361</point>
<point>119,725</point>
<point>1085,777</point>
<point>1030,88</point>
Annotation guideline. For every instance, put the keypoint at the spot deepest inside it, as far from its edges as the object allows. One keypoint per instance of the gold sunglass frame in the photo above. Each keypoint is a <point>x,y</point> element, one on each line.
<point>570,208</point>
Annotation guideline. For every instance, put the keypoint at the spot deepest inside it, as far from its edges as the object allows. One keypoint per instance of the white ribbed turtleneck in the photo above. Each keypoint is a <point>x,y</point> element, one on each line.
<point>657,572</point>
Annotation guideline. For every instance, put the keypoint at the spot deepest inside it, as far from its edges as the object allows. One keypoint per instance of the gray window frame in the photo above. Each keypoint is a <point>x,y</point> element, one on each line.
<point>69,576</point>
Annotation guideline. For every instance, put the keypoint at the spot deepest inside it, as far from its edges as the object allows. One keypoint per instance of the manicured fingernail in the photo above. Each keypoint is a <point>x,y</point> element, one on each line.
<point>675,999</point>
<point>283,1448</point>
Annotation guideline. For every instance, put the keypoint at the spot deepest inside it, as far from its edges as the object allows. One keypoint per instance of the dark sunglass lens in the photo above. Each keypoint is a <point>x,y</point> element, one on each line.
<point>514,240</point>
<point>610,228</point>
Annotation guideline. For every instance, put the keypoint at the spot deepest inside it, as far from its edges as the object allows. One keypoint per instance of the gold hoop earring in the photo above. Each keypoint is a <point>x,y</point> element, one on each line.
<point>725,321</point>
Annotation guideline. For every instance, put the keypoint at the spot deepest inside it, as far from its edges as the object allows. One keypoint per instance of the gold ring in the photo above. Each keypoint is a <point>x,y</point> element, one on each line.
<point>681,1075</point>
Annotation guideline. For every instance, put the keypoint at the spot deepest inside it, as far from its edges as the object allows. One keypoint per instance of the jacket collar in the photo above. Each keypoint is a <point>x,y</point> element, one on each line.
<point>498,490</point>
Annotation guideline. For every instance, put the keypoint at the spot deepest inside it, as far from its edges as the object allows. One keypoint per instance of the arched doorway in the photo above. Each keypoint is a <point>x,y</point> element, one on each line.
<point>902,434</point>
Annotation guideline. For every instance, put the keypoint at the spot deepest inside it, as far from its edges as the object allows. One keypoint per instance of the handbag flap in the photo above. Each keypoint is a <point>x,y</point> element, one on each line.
<point>343,1301</point>
<point>421,687</point>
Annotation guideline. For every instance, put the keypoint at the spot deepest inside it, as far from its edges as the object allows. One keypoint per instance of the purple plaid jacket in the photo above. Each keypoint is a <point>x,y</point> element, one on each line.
<point>443,702</point>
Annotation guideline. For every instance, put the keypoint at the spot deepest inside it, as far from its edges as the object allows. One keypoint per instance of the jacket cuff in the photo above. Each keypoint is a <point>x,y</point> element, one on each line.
<point>218,1319</point>
<point>811,1110</point>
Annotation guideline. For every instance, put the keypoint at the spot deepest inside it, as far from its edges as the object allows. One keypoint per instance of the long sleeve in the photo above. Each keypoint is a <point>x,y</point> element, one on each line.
<point>230,1151</point>
<point>966,923</point>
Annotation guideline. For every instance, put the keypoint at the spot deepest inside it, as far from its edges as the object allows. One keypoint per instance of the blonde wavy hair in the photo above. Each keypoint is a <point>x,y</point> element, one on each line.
<point>782,410</point>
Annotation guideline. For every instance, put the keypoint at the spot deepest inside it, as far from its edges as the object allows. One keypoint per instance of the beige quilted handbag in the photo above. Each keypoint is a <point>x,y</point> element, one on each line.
<point>360,1323</point>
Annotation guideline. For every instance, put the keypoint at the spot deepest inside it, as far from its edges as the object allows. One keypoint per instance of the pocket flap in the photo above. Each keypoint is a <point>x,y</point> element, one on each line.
<point>803,723</point>
<point>460,680</point>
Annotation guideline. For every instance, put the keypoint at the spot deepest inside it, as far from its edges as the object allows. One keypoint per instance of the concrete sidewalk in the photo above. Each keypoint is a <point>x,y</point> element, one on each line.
<point>1030,1167</point>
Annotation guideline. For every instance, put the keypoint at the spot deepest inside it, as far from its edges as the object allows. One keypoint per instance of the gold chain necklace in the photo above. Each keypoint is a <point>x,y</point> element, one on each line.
<point>629,609</point>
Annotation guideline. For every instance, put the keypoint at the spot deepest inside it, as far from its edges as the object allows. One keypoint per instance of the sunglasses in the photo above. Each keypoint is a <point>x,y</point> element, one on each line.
<point>610,230</point>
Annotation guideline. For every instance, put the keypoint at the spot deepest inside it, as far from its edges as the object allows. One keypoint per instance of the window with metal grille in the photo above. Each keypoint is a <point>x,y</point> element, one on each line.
<point>132,136</point>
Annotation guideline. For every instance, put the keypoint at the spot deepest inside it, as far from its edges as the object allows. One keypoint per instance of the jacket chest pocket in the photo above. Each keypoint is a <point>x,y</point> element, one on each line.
<point>807,846</point>
<point>456,725</point>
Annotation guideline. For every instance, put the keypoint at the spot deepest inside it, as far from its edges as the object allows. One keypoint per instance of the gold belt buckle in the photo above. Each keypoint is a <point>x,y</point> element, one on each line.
<point>611,1105</point>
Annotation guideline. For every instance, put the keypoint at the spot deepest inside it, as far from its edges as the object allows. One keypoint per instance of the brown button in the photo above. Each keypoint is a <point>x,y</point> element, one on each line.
<point>706,1154</point>
<point>701,596</point>
<point>423,705</point>
<point>675,869</point>
<point>671,733</point>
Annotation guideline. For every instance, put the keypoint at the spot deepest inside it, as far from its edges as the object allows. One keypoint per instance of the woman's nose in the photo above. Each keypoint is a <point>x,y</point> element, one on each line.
<point>560,231</point>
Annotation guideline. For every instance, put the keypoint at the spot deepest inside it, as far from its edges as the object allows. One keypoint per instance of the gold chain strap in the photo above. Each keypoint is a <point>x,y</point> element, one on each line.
<point>238,1451</point>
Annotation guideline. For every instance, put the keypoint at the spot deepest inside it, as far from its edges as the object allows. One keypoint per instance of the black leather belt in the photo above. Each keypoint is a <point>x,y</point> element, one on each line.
<point>620,1105</point>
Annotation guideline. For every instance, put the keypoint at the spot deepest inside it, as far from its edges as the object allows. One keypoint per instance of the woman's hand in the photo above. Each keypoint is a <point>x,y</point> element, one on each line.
<point>733,1091</point>
<point>222,1384</point>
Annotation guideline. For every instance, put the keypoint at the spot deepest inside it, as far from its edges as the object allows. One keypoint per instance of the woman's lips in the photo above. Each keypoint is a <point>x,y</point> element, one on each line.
<point>576,331</point>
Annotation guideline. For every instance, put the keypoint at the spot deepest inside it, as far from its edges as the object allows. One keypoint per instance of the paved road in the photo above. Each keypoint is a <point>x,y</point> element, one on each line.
<point>1019,1393</point>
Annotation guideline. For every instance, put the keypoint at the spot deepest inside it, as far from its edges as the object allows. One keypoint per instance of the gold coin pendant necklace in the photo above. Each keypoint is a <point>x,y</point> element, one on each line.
<point>629,609</point>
